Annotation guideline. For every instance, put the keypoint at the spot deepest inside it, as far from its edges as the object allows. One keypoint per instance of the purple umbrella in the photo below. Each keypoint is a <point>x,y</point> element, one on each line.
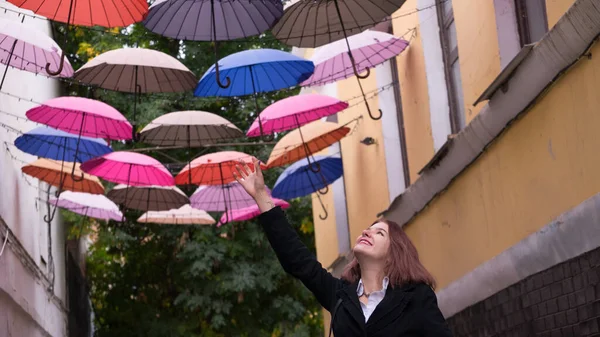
<point>210,198</point>
<point>212,20</point>
<point>95,206</point>
<point>28,49</point>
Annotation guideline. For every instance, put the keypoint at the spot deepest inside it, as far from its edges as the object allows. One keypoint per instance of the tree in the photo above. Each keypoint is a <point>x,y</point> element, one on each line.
<point>150,280</point>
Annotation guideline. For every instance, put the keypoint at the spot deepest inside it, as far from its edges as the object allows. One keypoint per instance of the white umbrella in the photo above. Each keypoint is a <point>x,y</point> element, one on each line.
<point>186,215</point>
<point>95,206</point>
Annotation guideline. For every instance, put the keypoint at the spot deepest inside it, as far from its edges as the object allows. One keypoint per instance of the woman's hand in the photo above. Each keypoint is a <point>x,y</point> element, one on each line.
<point>254,184</point>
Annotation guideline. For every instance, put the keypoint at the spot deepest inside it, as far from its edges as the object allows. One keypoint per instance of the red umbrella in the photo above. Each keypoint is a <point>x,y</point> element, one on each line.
<point>213,168</point>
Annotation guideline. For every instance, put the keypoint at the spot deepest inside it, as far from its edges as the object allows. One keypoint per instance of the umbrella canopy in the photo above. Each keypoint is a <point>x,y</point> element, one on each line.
<point>55,144</point>
<point>310,138</point>
<point>255,71</point>
<point>31,49</point>
<point>130,168</point>
<point>369,49</point>
<point>95,206</point>
<point>247,213</point>
<point>311,24</point>
<point>192,19</point>
<point>126,69</point>
<point>212,197</point>
<point>189,128</point>
<point>88,12</point>
<point>299,180</point>
<point>186,215</point>
<point>295,111</point>
<point>148,198</point>
<point>213,168</point>
<point>53,172</point>
<point>82,116</point>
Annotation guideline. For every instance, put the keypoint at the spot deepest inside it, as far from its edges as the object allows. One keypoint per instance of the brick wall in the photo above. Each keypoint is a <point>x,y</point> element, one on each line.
<point>560,301</point>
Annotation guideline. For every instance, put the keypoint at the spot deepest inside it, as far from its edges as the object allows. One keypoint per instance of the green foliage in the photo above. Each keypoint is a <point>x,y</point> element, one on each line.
<point>150,280</point>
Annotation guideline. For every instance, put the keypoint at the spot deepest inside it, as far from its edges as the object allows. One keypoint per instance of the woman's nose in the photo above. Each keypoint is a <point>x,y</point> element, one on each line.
<point>366,233</point>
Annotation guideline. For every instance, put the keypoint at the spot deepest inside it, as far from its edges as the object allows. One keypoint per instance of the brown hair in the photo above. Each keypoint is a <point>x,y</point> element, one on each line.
<point>403,265</point>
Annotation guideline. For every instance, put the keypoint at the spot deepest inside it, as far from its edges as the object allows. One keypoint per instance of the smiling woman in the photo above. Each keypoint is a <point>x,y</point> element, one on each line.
<point>385,290</point>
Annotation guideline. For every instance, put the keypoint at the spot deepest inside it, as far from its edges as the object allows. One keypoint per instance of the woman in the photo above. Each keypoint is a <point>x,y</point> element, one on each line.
<point>384,291</point>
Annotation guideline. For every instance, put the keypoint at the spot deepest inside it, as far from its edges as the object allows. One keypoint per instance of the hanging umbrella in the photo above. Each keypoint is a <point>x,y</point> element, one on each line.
<point>255,71</point>
<point>213,168</point>
<point>82,116</point>
<point>95,206</point>
<point>28,49</point>
<point>189,128</point>
<point>211,197</point>
<point>248,213</point>
<point>305,141</point>
<point>218,20</point>
<point>299,180</point>
<point>186,215</point>
<point>148,198</point>
<point>333,20</point>
<point>130,168</point>
<point>89,13</point>
<point>137,71</point>
<point>295,111</point>
<point>369,49</point>
<point>56,173</point>
<point>55,144</point>
<point>311,24</point>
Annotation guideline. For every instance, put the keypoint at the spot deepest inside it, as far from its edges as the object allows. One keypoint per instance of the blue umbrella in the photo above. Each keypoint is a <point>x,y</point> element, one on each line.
<point>299,180</point>
<point>254,71</point>
<point>55,144</point>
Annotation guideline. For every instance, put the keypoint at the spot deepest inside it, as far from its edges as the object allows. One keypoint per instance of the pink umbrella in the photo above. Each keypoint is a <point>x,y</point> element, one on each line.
<point>130,168</point>
<point>83,116</point>
<point>295,111</point>
<point>28,49</point>
<point>212,197</point>
<point>95,206</point>
<point>369,49</point>
<point>248,213</point>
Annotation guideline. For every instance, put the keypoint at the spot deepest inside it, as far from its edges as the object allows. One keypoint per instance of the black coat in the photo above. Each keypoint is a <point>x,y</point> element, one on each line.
<point>407,311</point>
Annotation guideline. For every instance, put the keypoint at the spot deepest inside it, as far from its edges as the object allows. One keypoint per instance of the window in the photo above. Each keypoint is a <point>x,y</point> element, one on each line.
<point>451,63</point>
<point>531,20</point>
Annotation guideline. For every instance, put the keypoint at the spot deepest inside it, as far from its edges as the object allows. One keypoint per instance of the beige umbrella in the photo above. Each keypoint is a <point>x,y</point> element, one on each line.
<point>136,70</point>
<point>189,128</point>
<point>148,198</point>
<point>186,215</point>
<point>306,141</point>
<point>147,70</point>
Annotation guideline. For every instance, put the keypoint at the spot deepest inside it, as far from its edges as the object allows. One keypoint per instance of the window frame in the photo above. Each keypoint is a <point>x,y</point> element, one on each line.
<point>449,58</point>
<point>522,15</point>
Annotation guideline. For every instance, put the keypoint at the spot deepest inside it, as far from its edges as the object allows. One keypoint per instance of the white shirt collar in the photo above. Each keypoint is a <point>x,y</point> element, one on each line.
<point>361,289</point>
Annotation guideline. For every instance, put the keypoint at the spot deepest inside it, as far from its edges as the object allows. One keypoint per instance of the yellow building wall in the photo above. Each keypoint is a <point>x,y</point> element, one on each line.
<point>521,183</point>
<point>364,165</point>
<point>478,51</point>
<point>414,92</point>
<point>555,9</point>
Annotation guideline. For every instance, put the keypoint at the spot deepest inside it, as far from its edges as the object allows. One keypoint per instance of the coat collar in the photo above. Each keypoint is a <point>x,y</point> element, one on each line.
<point>391,306</point>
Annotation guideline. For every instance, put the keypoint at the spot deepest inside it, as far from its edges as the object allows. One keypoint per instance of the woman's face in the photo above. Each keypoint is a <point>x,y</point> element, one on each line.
<point>373,243</point>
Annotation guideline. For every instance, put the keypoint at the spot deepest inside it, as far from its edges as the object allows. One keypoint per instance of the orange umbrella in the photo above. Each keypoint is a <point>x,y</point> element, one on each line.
<point>58,174</point>
<point>213,168</point>
<point>305,141</point>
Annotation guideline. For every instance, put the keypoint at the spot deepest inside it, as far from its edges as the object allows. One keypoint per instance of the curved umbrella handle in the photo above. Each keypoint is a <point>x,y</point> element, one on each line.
<point>324,190</point>
<point>60,65</point>
<point>322,217</point>
<point>353,62</point>
<point>371,114</point>
<point>76,178</point>
<point>214,31</point>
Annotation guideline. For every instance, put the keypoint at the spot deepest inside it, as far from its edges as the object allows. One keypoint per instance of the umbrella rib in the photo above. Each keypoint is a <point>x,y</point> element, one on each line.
<point>296,7</point>
<point>188,12</point>
<point>224,19</point>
